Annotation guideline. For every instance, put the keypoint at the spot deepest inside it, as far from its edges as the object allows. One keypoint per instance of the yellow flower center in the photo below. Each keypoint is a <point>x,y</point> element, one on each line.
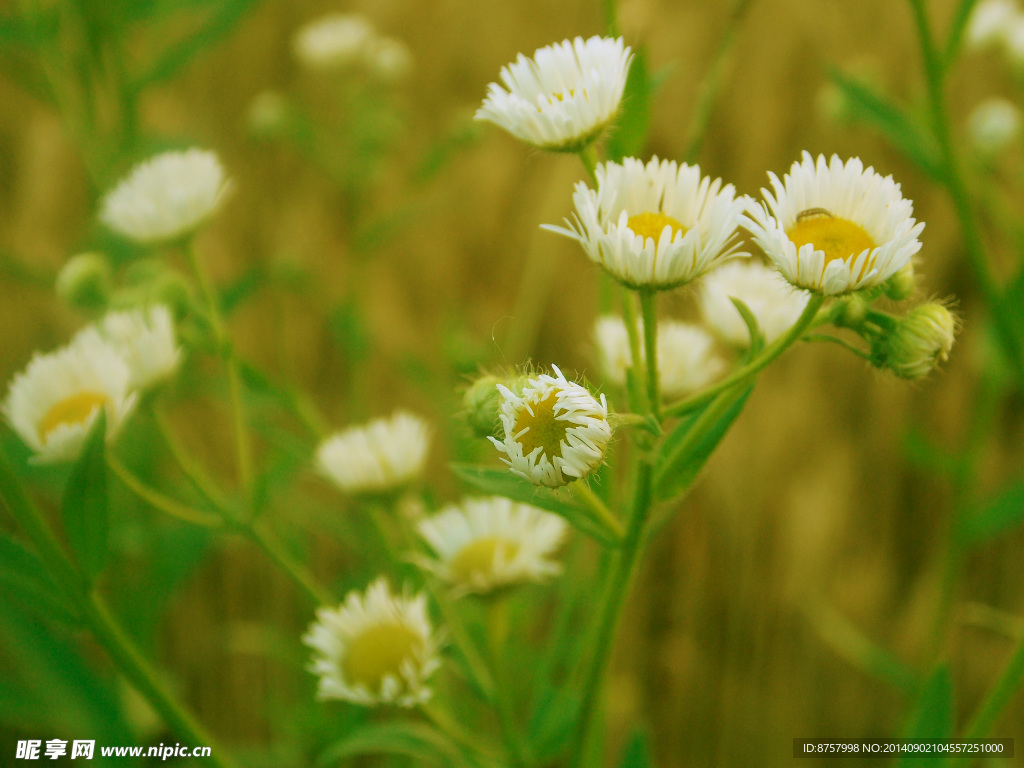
<point>479,556</point>
<point>838,238</point>
<point>651,225</point>
<point>71,410</point>
<point>545,430</point>
<point>378,652</point>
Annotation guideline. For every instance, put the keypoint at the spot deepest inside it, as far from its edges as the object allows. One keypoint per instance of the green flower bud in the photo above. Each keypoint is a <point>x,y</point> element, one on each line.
<point>919,342</point>
<point>85,281</point>
<point>481,401</point>
<point>903,284</point>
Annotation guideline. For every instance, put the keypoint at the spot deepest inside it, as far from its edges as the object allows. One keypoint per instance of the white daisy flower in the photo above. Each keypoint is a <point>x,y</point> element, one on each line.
<point>562,98</point>
<point>374,648</point>
<point>145,339</point>
<point>166,197</point>
<point>380,456</point>
<point>484,544</point>
<point>555,431</point>
<point>687,360</point>
<point>333,41</point>
<point>654,226</point>
<point>53,403</point>
<point>832,227</point>
<point>774,302</point>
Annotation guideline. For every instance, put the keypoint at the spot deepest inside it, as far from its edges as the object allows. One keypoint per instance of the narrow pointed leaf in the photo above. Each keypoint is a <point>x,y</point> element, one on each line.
<point>24,578</point>
<point>85,508</point>
<point>416,740</point>
<point>932,715</point>
<point>628,135</point>
<point>750,320</point>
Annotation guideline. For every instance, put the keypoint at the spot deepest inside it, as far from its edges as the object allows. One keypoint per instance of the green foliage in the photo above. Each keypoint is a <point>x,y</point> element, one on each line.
<point>627,137</point>
<point>24,578</point>
<point>501,482</point>
<point>396,737</point>
<point>932,715</point>
<point>999,514</point>
<point>637,752</point>
<point>85,508</point>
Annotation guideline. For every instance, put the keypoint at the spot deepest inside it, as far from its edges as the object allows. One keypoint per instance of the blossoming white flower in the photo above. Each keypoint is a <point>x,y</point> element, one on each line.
<point>654,226</point>
<point>555,430</point>
<point>166,197</point>
<point>483,544</point>
<point>332,41</point>
<point>687,360</point>
<point>774,302</point>
<point>563,97</point>
<point>53,403</point>
<point>376,457</point>
<point>989,23</point>
<point>145,339</point>
<point>375,648</point>
<point>832,227</point>
<point>992,125</point>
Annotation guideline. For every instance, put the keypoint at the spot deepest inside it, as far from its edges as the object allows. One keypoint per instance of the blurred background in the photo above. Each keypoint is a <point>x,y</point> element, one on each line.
<point>379,249</point>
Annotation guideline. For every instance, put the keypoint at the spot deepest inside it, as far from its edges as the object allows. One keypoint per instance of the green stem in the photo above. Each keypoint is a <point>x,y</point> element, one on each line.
<point>649,309</point>
<point>588,155</point>
<point>612,603</point>
<point>96,615</point>
<point>187,463</point>
<point>243,447</point>
<point>478,669</point>
<point>1002,692</point>
<point>768,354</point>
<point>956,187</point>
<point>598,507</point>
<point>276,551</point>
<point>498,637</point>
<point>611,22</point>
<point>712,82</point>
<point>636,399</point>
<point>158,500</point>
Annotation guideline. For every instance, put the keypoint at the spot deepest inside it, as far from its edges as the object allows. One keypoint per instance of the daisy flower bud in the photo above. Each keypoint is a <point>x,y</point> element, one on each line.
<point>772,300</point>
<point>834,227</point>
<point>686,355</point>
<point>378,457</point>
<point>375,648</point>
<point>489,543</point>
<point>563,98</point>
<point>903,284</point>
<point>655,226</point>
<point>919,343</point>
<point>53,403</point>
<point>85,281</point>
<point>555,430</point>
<point>167,197</point>
<point>144,337</point>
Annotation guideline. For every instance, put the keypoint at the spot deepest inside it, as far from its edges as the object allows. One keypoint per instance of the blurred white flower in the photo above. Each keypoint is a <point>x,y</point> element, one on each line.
<point>990,20</point>
<point>333,41</point>
<point>563,97</point>
<point>375,648</point>
<point>389,59</point>
<point>992,125</point>
<point>774,302</point>
<point>654,226</point>
<point>144,337</point>
<point>555,430</point>
<point>487,543</point>
<point>687,360</point>
<point>166,197</point>
<point>53,403</point>
<point>835,227</point>
<point>380,456</point>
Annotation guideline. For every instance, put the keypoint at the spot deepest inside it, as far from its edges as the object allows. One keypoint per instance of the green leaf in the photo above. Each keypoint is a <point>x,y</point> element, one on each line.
<point>85,509</point>
<point>689,446</point>
<point>932,715</point>
<point>749,319</point>
<point>501,482</point>
<point>1000,513</point>
<point>24,578</point>
<point>553,720</point>
<point>637,752</point>
<point>397,737</point>
<point>892,121</point>
<point>628,135</point>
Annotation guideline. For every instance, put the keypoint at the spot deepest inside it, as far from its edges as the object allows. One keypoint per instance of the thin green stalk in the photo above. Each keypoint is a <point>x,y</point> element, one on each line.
<point>956,187</point>
<point>187,463</point>
<point>1002,692</point>
<point>637,402</point>
<point>478,669</point>
<point>598,507</point>
<point>118,646</point>
<point>497,632</point>
<point>767,355</point>
<point>158,500</point>
<point>712,82</point>
<point>649,310</point>
<point>612,603</point>
<point>243,447</point>
<point>277,552</point>
<point>611,21</point>
<point>588,156</point>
